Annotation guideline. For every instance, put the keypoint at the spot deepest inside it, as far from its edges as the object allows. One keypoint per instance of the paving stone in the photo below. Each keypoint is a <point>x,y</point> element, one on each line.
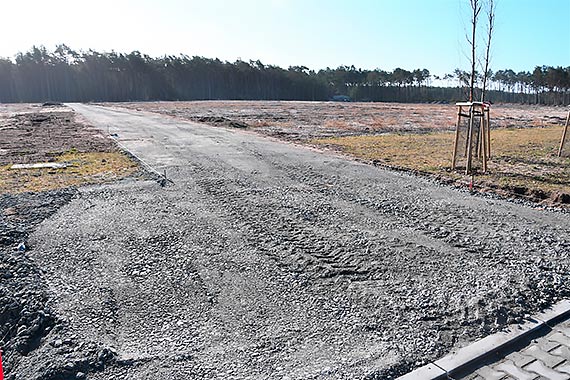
<point>564,367</point>
<point>514,371</point>
<point>559,310</point>
<point>428,371</point>
<point>564,330</point>
<point>491,343</point>
<point>545,344</point>
<point>562,351</point>
<point>560,338</point>
<point>519,359</point>
<point>473,376</point>
<point>564,325</point>
<point>545,357</point>
<point>539,368</point>
<point>489,373</point>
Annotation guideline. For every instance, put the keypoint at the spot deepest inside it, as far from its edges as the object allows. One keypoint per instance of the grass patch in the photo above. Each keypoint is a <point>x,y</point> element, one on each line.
<point>524,161</point>
<point>83,168</point>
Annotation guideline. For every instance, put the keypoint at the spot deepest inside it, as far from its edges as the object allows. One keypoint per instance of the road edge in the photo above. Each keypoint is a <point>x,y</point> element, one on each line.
<point>491,346</point>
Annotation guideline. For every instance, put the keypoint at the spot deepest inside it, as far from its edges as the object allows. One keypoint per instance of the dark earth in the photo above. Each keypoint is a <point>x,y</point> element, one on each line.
<point>28,327</point>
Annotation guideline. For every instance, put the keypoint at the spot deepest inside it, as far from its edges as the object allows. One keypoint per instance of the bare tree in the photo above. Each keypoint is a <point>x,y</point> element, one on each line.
<point>475,10</point>
<point>490,9</point>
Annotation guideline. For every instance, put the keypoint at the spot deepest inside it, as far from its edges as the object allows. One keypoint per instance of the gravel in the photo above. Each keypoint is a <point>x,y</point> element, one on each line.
<point>266,260</point>
<point>36,343</point>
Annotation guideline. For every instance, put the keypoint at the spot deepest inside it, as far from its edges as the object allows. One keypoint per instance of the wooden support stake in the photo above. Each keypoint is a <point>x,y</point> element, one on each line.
<point>483,142</point>
<point>456,142</point>
<point>467,138</point>
<point>478,140</point>
<point>564,135</point>
<point>469,142</point>
<point>488,120</point>
<point>482,136</point>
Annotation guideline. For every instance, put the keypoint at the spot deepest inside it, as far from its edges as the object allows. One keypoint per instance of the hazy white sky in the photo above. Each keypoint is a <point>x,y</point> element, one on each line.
<point>316,33</point>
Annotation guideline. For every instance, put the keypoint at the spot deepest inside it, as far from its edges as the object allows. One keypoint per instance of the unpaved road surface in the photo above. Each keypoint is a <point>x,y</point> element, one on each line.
<point>268,260</point>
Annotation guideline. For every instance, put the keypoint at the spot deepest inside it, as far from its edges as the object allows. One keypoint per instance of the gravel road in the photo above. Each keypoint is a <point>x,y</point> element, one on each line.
<point>268,260</point>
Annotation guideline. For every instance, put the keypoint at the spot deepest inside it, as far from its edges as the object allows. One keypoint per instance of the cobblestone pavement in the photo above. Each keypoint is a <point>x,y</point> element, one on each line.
<point>547,357</point>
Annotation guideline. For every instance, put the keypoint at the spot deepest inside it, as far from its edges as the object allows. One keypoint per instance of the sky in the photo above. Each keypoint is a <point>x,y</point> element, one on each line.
<point>368,34</point>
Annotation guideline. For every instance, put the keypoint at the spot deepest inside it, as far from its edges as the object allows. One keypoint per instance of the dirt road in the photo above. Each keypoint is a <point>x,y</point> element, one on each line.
<point>268,260</point>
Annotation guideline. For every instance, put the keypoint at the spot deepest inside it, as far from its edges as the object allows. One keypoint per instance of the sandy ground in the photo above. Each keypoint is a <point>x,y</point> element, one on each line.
<point>301,121</point>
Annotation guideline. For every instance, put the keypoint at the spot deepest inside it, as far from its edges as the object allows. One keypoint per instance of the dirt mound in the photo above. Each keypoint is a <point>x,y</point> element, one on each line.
<point>561,198</point>
<point>52,104</point>
<point>219,121</point>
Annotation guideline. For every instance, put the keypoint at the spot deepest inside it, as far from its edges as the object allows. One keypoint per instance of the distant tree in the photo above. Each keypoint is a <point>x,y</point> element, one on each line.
<point>538,82</point>
<point>68,75</point>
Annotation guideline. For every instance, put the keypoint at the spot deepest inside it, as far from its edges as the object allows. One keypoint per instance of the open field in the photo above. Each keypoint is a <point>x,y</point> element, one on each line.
<point>416,137</point>
<point>35,134</point>
<point>260,259</point>
<point>302,121</point>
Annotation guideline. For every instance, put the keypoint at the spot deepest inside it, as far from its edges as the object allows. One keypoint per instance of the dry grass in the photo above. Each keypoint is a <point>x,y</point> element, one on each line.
<point>524,160</point>
<point>337,124</point>
<point>84,168</point>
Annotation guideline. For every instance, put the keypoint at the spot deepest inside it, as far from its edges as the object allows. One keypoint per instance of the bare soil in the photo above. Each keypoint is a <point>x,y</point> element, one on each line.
<point>33,133</point>
<point>303,121</point>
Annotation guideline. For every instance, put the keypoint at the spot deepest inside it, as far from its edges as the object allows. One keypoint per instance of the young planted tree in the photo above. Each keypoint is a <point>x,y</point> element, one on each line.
<point>475,10</point>
<point>490,9</point>
<point>477,138</point>
<point>475,7</point>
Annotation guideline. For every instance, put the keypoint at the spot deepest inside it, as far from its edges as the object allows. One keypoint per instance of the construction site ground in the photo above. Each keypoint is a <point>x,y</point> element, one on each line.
<point>259,259</point>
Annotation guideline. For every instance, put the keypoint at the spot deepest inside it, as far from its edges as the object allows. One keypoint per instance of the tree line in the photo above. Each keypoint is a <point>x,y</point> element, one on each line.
<point>67,75</point>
